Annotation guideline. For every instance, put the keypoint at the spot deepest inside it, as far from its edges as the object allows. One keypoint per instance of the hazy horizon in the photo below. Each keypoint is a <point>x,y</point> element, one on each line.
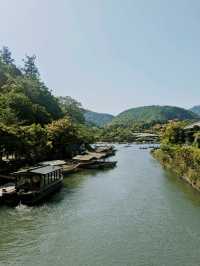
<point>110,55</point>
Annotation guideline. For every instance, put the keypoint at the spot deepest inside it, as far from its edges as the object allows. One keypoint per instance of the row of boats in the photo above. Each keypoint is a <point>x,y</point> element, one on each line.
<point>32,185</point>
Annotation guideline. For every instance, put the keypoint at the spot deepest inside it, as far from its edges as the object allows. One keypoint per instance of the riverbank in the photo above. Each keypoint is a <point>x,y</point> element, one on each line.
<point>184,161</point>
<point>32,185</point>
<point>120,216</point>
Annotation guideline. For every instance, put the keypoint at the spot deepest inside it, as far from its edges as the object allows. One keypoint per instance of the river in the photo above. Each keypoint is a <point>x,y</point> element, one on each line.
<point>136,214</point>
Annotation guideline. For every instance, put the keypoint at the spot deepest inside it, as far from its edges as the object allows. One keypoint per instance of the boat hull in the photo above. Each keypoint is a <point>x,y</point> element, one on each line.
<point>98,165</point>
<point>36,197</point>
<point>70,169</point>
<point>10,199</point>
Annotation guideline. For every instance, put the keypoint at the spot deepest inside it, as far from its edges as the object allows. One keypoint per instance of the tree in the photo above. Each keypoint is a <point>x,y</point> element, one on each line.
<point>64,137</point>
<point>174,133</point>
<point>34,144</point>
<point>6,55</point>
<point>30,69</point>
<point>15,107</point>
<point>39,94</point>
<point>72,108</point>
<point>7,139</point>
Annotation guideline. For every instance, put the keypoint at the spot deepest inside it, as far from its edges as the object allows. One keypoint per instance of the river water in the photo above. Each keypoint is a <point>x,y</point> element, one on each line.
<point>136,214</point>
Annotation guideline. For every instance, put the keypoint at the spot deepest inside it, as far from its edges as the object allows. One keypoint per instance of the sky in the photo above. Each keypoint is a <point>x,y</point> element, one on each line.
<point>110,55</point>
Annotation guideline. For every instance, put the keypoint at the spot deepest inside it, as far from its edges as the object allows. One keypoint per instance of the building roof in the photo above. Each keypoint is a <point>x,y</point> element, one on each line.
<point>41,170</point>
<point>196,124</point>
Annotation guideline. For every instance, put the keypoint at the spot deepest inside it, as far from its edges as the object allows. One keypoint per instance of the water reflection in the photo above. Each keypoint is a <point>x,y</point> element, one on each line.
<point>135,214</point>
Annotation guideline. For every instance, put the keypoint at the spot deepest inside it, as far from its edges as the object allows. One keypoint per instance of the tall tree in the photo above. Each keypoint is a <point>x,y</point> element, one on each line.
<point>72,108</point>
<point>6,55</point>
<point>30,68</point>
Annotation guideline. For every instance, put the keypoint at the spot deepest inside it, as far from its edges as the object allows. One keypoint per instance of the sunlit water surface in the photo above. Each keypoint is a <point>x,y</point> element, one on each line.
<point>136,214</point>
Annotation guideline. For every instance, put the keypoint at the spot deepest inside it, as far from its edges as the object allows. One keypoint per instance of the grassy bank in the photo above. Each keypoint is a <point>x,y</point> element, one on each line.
<point>184,161</point>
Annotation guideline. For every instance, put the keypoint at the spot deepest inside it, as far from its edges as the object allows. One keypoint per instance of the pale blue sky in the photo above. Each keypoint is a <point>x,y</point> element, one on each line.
<point>110,54</point>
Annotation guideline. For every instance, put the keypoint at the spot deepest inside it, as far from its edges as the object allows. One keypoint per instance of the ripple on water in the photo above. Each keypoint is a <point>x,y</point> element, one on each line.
<point>133,215</point>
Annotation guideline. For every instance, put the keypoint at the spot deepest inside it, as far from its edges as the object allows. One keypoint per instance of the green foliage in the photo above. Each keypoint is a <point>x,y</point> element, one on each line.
<point>86,134</point>
<point>66,137</point>
<point>30,68</point>
<point>196,142</point>
<point>6,55</point>
<point>97,119</point>
<point>28,142</point>
<point>21,110</point>
<point>174,133</point>
<point>35,143</point>
<point>32,122</point>
<point>59,139</point>
<point>39,94</point>
<point>24,99</point>
<point>183,160</point>
<point>180,152</point>
<point>72,108</point>
<point>149,114</point>
<point>127,133</point>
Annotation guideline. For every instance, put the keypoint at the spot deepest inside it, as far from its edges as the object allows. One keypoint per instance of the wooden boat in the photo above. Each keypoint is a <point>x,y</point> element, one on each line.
<point>98,165</point>
<point>67,166</point>
<point>53,163</point>
<point>90,161</point>
<point>35,184</point>
<point>70,168</point>
<point>107,150</point>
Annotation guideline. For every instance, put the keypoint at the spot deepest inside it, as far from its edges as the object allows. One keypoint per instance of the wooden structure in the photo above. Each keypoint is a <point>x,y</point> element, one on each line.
<point>67,166</point>
<point>35,184</point>
<point>108,150</point>
<point>53,163</point>
<point>90,161</point>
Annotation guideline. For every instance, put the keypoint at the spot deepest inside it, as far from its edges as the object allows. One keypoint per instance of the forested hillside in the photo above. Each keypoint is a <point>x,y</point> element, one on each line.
<point>34,124</point>
<point>24,98</point>
<point>98,119</point>
<point>156,113</point>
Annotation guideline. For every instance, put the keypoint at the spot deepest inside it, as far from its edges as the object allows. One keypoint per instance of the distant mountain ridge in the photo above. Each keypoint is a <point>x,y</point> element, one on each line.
<point>152,113</point>
<point>98,119</point>
<point>195,109</point>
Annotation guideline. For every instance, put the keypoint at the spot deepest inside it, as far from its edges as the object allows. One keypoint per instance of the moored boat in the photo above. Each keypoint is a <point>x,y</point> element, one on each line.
<point>98,165</point>
<point>108,150</point>
<point>68,167</point>
<point>90,161</point>
<point>35,184</point>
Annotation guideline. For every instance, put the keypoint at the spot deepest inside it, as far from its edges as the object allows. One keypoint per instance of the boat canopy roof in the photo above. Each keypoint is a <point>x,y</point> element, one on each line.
<point>97,155</point>
<point>86,157</point>
<point>103,148</point>
<point>89,156</point>
<point>41,170</point>
<point>53,163</point>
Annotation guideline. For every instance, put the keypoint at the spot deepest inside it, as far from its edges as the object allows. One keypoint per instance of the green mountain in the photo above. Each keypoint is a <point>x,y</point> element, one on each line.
<point>196,109</point>
<point>98,119</point>
<point>153,113</point>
